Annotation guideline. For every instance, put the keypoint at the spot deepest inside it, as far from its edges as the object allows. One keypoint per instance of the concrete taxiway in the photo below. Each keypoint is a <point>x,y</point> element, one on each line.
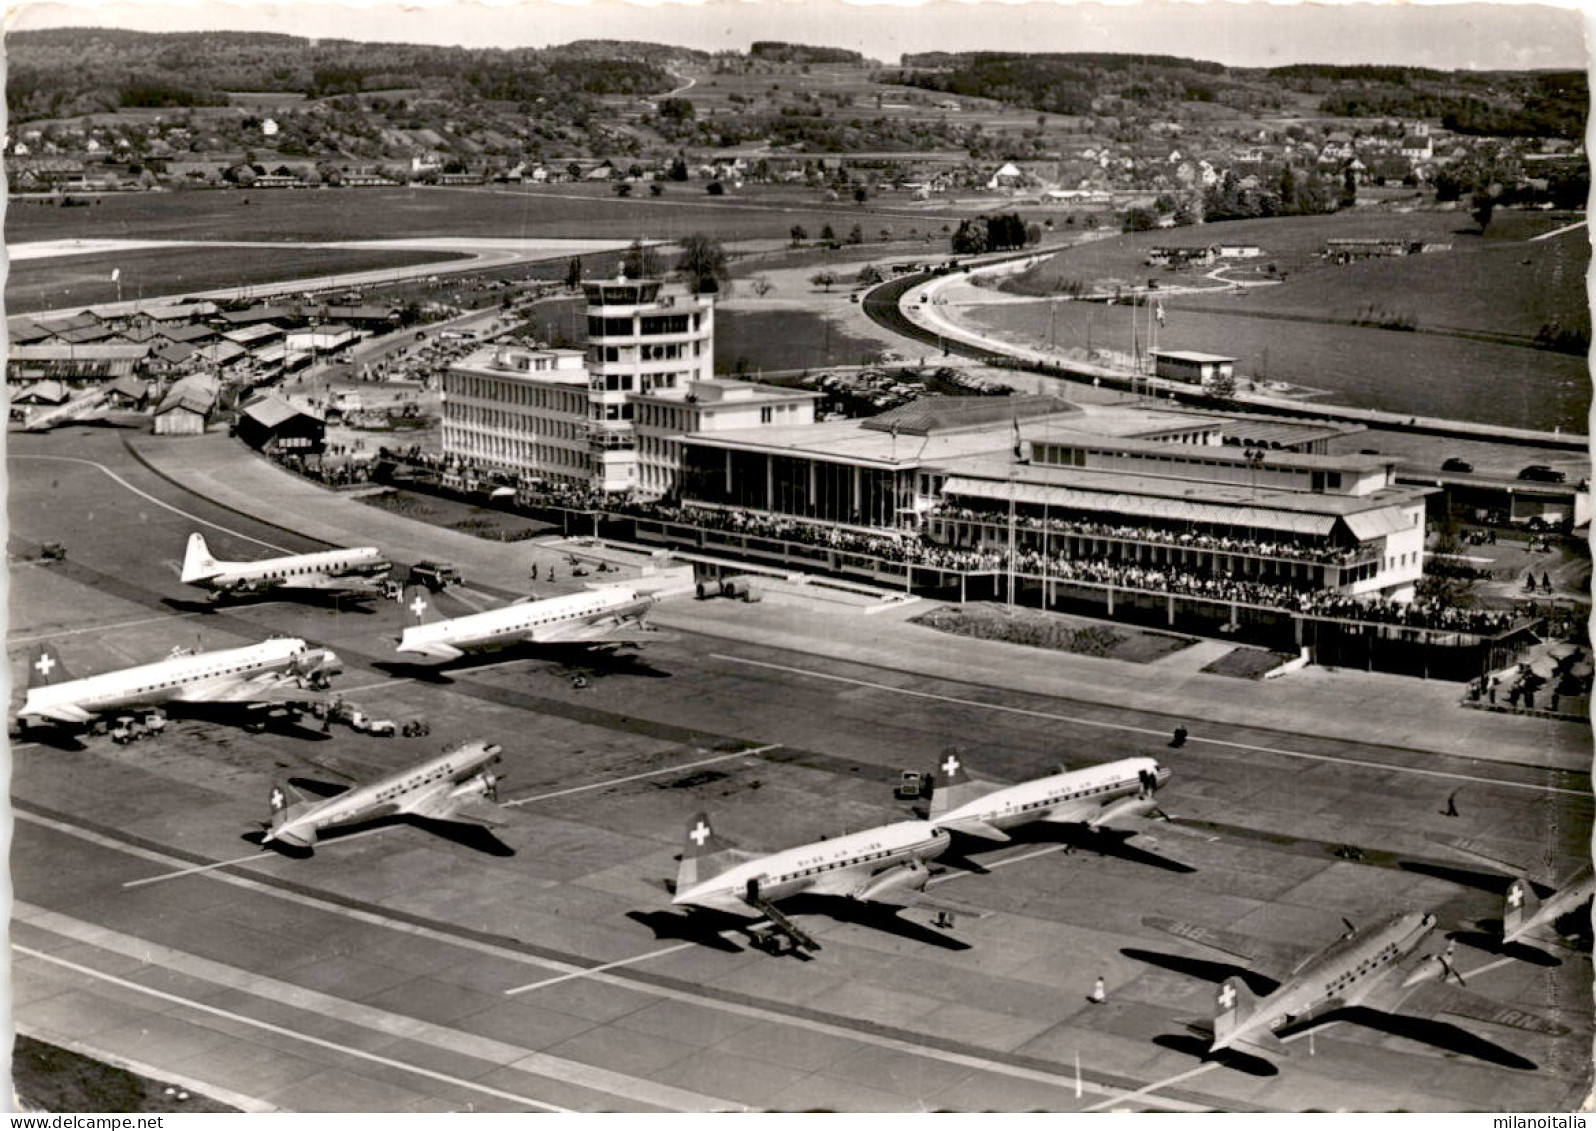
<point>415,968</point>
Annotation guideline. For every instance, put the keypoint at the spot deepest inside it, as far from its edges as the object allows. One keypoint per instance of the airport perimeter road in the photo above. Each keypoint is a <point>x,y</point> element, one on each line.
<point>404,967</point>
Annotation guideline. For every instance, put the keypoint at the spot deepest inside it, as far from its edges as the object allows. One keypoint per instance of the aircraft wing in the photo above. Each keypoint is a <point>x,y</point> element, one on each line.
<point>64,713</point>
<point>901,886</point>
<point>463,811</point>
<point>437,649</point>
<point>974,826</point>
<point>601,632</point>
<point>1438,997</point>
<point>1271,958</point>
<point>262,689</point>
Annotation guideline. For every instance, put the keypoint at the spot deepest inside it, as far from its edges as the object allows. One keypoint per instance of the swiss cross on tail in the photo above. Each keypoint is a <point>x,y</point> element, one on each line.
<point>46,668</point>
<point>418,606</point>
<point>704,854</point>
<point>701,838</point>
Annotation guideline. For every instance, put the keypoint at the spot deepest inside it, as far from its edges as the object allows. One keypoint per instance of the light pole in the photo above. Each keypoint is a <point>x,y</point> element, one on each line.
<point>1254,457</point>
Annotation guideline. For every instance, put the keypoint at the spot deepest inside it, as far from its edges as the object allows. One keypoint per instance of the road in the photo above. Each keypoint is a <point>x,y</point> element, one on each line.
<point>400,969</point>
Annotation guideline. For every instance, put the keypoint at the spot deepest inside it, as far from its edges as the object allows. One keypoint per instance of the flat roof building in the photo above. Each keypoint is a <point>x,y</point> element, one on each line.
<point>1092,492</point>
<point>523,411</point>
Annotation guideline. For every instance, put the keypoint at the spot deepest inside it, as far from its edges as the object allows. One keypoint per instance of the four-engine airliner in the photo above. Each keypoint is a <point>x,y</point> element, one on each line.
<point>604,616</point>
<point>360,571</point>
<point>455,786</point>
<point>279,670</point>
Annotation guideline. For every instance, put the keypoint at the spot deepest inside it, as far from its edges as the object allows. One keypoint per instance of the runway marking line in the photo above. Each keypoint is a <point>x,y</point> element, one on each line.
<point>262,854</point>
<point>640,777</point>
<point>600,969</point>
<point>1112,1101</point>
<point>284,1031</point>
<point>1129,728</point>
<point>151,498</point>
<point>197,869</point>
<point>97,628</point>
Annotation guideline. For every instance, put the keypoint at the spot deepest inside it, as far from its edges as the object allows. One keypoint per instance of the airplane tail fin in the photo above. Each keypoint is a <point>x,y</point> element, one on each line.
<point>1236,1006</point>
<point>288,803</point>
<point>46,667</point>
<point>419,607</point>
<point>953,786</point>
<point>1519,907</point>
<point>198,562</point>
<point>705,855</point>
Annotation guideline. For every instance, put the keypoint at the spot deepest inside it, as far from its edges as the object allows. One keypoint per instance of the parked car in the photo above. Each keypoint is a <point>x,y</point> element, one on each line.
<point>1540,473</point>
<point>1455,464</point>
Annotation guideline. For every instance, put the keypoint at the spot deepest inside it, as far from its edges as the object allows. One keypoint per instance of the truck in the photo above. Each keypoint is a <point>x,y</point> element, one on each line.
<point>435,576</point>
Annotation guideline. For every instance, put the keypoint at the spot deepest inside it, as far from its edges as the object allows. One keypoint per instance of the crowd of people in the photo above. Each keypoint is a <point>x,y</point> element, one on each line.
<point>1321,553</point>
<point>907,549</point>
<point>1418,613</point>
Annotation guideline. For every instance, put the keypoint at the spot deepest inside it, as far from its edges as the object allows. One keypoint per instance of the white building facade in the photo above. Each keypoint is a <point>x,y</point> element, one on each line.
<point>520,410</point>
<point>642,337</point>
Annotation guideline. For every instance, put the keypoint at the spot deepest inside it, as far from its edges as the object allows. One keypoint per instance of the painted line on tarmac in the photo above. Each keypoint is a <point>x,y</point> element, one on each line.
<point>1053,716</point>
<point>262,854</point>
<point>1487,968</point>
<point>196,869</point>
<point>97,628</point>
<point>1114,1101</point>
<point>600,969</point>
<point>640,777</point>
<point>371,686</point>
<point>284,1031</point>
<point>143,494</point>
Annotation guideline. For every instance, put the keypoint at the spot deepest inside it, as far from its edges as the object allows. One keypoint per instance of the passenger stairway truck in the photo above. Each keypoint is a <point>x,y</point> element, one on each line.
<point>768,937</point>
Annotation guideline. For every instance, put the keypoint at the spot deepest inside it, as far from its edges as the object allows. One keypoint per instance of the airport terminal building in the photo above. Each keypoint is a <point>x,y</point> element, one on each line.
<point>1080,492</point>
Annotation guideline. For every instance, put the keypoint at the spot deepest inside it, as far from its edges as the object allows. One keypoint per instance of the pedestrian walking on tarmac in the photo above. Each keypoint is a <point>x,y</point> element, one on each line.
<point>1099,993</point>
<point>534,571</point>
<point>1179,738</point>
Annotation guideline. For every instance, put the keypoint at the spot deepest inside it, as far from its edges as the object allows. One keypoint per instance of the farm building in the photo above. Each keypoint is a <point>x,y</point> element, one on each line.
<point>1195,368</point>
<point>1008,177</point>
<point>1345,250</point>
<point>275,424</point>
<point>1180,256</point>
<point>322,340</point>
<point>187,407</point>
<point>1238,251</point>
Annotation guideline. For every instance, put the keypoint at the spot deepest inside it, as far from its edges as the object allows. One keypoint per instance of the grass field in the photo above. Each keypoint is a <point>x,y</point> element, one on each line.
<point>85,280</point>
<point>49,1078</point>
<point>1303,331</point>
<point>1417,374</point>
<point>1057,632</point>
<point>564,212</point>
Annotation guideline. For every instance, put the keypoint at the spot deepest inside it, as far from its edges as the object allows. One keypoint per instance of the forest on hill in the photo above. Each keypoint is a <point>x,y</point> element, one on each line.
<point>65,72</point>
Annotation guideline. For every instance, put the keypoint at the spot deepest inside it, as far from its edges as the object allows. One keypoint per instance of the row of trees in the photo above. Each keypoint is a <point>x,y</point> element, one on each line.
<point>1291,194</point>
<point>702,265</point>
<point>1004,232</point>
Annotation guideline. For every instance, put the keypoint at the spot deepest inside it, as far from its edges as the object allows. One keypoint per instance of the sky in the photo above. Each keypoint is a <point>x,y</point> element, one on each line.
<point>1506,35</point>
